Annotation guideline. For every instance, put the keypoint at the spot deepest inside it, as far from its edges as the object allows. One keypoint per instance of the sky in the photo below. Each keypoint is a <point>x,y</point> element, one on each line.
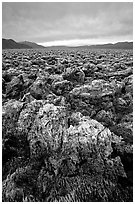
<point>68,23</point>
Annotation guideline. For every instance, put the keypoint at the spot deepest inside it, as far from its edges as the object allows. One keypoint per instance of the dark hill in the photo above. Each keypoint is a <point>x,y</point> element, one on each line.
<point>11,44</point>
<point>32,44</point>
<point>119,45</point>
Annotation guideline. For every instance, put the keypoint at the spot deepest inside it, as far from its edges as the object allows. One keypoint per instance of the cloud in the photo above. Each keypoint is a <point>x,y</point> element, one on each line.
<point>47,22</point>
<point>86,27</point>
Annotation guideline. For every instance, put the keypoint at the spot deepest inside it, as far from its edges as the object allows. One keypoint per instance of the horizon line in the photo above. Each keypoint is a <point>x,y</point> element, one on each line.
<point>80,42</point>
<point>72,43</point>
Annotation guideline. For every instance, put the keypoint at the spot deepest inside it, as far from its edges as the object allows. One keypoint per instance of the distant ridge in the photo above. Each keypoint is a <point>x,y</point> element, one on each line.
<point>11,44</point>
<point>32,45</point>
<point>119,45</point>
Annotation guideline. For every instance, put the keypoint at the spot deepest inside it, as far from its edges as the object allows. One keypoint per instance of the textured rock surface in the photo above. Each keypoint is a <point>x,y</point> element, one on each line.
<point>48,130</point>
<point>97,89</point>
<point>39,89</point>
<point>67,126</point>
<point>10,115</point>
<point>74,75</point>
<point>14,88</point>
<point>62,87</point>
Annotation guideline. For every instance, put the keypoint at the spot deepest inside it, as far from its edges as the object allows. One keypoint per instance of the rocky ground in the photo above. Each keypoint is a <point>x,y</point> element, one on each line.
<point>67,124</point>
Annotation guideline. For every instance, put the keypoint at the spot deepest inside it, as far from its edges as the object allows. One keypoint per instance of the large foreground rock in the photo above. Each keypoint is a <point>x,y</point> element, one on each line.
<point>75,159</point>
<point>46,128</point>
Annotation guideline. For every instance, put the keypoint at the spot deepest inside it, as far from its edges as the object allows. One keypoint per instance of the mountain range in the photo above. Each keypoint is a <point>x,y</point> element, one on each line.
<point>119,45</point>
<point>11,44</point>
<point>32,45</point>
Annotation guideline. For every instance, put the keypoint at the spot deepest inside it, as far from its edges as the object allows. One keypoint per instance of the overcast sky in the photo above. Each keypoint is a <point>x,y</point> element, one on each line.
<point>67,23</point>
